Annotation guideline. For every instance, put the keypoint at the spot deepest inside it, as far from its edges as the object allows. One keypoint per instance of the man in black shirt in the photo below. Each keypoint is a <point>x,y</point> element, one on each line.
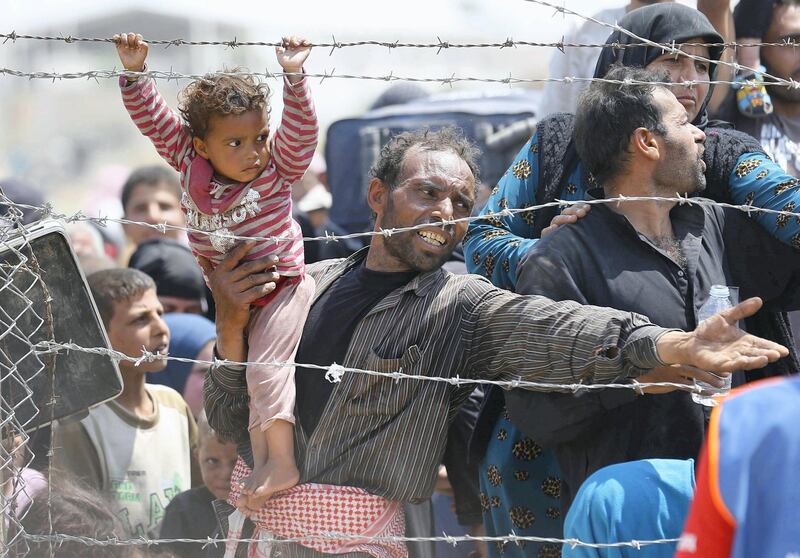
<point>655,258</point>
<point>329,328</point>
<point>385,436</point>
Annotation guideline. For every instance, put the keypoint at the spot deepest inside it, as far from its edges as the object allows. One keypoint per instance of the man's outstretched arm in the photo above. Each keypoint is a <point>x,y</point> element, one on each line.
<point>533,338</point>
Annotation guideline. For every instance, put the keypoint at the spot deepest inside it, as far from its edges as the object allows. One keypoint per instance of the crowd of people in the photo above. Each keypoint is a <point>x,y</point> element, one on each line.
<point>599,293</point>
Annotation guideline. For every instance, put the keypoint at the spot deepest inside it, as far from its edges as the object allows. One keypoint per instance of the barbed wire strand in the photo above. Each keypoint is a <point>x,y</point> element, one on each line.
<point>47,211</point>
<point>453,540</point>
<point>672,48</point>
<point>439,44</point>
<point>390,77</point>
<point>335,372</point>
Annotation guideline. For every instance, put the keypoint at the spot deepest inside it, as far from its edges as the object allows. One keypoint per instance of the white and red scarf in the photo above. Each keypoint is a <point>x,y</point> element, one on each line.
<point>312,509</point>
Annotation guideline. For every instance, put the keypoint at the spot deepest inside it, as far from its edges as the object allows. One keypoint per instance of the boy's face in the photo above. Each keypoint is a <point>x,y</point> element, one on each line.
<point>217,460</point>
<point>237,145</point>
<point>154,204</point>
<point>137,323</point>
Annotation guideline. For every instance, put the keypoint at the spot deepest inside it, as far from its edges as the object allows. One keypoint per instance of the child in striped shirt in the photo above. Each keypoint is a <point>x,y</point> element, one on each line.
<point>236,181</point>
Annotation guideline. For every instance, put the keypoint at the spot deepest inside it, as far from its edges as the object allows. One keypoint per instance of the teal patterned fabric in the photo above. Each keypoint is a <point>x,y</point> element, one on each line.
<point>520,493</point>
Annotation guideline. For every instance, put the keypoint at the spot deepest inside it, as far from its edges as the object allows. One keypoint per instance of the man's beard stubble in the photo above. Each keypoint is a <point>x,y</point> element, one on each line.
<point>401,246</point>
<point>687,179</point>
<point>790,95</point>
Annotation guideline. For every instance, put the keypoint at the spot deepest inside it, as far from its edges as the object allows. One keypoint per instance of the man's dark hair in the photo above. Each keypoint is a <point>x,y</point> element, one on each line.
<point>111,286</point>
<point>752,18</point>
<point>607,115</point>
<point>390,162</point>
<point>172,266</point>
<point>152,175</point>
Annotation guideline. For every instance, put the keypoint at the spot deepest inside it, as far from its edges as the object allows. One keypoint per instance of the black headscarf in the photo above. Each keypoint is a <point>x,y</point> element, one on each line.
<point>660,23</point>
<point>172,266</point>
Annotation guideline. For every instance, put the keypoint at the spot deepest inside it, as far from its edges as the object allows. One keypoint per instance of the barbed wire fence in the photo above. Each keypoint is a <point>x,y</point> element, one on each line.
<point>44,349</point>
<point>28,347</point>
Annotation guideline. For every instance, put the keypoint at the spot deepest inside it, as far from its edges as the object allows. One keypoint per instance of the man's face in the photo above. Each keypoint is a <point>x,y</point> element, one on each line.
<point>178,305</point>
<point>137,323</point>
<point>153,204</point>
<point>217,460</point>
<point>433,186</point>
<point>681,168</point>
<point>783,62</point>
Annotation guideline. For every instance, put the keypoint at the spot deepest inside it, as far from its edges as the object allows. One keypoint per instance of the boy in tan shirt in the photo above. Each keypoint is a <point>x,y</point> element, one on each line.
<point>136,449</point>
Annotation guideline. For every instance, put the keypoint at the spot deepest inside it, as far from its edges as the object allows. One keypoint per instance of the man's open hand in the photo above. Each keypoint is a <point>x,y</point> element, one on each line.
<point>570,214</point>
<point>717,345</point>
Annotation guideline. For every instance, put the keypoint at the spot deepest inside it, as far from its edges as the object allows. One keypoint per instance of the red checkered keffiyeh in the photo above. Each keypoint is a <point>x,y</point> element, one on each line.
<point>322,509</point>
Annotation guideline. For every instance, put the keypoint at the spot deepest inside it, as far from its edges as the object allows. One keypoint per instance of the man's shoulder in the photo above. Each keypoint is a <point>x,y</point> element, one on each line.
<point>566,238</point>
<point>318,269</point>
<point>467,289</point>
<point>458,280</point>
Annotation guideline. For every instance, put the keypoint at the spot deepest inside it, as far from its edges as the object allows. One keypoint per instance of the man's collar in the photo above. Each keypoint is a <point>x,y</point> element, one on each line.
<point>692,213</point>
<point>420,284</point>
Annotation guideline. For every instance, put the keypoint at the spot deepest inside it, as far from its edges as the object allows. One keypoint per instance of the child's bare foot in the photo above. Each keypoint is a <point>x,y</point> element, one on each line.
<point>268,479</point>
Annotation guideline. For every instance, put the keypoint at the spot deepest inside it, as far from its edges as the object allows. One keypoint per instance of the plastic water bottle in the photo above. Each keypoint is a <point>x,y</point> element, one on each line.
<point>718,300</point>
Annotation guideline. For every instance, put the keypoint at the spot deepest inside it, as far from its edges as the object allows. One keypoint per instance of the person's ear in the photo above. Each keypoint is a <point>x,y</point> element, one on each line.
<point>377,197</point>
<point>643,143</point>
<point>200,146</point>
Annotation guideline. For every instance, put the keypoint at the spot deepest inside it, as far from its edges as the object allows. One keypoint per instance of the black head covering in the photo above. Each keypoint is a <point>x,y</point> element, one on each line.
<point>660,23</point>
<point>751,18</point>
<point>172,266</point>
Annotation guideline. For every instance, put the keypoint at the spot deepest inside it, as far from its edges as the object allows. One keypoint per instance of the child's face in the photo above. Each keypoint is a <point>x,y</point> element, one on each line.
<point>237,145</point>
<point>153,204</point>
<point>137,323</point>
<point>217,460</point>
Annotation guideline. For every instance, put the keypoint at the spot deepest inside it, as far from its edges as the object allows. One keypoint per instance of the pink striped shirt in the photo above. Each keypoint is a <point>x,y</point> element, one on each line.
<point>261,208</point>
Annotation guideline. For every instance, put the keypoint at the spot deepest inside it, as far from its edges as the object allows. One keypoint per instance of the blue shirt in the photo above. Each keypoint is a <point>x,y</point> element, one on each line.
<point>759,468</point>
